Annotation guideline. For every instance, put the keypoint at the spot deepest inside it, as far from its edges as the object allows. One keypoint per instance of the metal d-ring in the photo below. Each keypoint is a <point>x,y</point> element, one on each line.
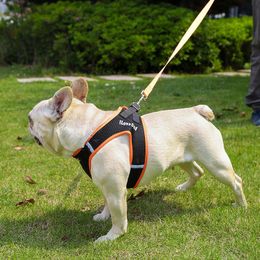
<point>141,98</point>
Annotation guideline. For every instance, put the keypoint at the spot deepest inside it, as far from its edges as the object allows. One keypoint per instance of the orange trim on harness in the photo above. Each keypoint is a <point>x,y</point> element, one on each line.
<point>110,139</point>
<point>146,153</point>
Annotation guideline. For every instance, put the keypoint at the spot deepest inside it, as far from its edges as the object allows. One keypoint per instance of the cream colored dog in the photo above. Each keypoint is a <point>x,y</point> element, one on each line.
<point>175,137</point>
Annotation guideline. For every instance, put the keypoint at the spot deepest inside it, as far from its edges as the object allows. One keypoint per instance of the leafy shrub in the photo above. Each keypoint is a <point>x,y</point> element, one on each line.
<point>233,38</point>
<point>122,36</point>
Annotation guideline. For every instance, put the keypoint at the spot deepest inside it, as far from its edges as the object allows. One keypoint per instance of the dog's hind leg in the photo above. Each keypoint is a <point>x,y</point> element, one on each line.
<point>207,147</point>
<point>230,178</point>
<point>241,199</point>
<point>220,166</point>
<point>194,171</point>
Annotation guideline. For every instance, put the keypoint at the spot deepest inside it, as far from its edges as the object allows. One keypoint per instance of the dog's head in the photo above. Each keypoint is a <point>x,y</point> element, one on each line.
<point>44,117</point>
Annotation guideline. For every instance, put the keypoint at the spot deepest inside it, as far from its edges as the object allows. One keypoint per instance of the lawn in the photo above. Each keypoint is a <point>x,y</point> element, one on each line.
<point>163,224</point>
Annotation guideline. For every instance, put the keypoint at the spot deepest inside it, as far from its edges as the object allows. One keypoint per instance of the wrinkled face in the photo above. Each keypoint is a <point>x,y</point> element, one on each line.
<point>40,122</point>
<point>45,115</point>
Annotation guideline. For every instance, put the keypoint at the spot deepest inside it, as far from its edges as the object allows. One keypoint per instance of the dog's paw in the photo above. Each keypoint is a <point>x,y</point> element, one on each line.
<point>182,187</point>
<point>102,239</point>
<point>106,238</point>
<point>235,205</point>
<point>239,205</point>
<point>101,217</point>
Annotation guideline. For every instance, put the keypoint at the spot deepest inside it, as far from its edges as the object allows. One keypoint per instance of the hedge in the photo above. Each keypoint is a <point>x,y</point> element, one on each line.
<point>122,37</point>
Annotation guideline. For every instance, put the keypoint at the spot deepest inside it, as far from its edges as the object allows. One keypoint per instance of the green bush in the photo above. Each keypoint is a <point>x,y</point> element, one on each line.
<point>122,37</point>
<point>233,38</point>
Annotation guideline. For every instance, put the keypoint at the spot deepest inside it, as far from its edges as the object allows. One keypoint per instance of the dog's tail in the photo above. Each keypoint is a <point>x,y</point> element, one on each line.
<point>205,111</point>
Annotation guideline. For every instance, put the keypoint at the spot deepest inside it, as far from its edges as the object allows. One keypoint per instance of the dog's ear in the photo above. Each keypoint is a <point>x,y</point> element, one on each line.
<point>60,102</point>
<point>80,89</point>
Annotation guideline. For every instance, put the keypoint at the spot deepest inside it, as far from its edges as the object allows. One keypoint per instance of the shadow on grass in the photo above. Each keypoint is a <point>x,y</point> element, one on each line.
<point>163,203</point>
<point>53,229</point>
<point>73,228</point>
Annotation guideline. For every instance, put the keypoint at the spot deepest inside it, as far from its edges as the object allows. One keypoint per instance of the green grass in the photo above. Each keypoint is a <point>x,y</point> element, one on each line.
<point>163,224</point>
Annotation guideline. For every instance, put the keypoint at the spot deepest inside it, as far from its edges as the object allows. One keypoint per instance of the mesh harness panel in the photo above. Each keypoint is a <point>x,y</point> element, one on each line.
<point>126,122</point>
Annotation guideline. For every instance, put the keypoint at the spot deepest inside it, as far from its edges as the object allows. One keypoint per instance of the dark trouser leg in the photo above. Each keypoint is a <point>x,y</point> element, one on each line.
<point>253,96</point>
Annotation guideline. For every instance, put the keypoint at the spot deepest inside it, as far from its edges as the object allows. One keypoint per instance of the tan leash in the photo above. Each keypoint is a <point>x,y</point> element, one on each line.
<point>146,92</point>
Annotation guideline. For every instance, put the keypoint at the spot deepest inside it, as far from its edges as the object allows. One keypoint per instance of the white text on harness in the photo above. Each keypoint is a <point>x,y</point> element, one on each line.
<point>123,123</point>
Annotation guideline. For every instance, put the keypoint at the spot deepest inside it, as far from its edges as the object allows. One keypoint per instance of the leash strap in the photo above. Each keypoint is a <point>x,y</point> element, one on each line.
<point>145,93</point>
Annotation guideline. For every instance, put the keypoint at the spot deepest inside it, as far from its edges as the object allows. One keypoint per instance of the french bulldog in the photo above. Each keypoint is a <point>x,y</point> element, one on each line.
<point>183,137</point>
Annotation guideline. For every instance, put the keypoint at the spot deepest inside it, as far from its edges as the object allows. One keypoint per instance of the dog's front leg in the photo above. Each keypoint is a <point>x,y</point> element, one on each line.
<point>116,202</point>
<point>110,171</point>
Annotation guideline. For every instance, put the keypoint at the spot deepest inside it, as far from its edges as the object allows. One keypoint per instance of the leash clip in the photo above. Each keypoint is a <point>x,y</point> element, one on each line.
<point>133,109</point>
<point>141,98</point>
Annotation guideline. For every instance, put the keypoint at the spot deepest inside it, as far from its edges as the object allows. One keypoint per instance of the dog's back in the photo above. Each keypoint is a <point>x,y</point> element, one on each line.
<point>174,135</point>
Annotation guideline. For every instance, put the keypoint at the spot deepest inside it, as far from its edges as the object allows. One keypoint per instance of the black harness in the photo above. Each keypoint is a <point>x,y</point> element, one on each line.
<point>126,122</point>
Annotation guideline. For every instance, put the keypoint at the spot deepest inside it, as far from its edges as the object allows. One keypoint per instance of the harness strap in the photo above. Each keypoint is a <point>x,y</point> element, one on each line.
<point>132,110</point>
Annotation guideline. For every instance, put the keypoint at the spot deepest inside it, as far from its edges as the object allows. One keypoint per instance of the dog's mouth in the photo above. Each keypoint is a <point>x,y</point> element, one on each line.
<point>37,141</point>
